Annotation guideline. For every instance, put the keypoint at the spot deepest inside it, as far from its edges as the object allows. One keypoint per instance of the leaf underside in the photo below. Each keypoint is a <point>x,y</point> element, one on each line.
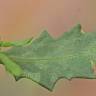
<point>46,60</point>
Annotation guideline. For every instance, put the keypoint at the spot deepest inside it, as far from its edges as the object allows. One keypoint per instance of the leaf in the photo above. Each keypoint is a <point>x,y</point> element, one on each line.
<point>46,60</point>
<point>16,43</point>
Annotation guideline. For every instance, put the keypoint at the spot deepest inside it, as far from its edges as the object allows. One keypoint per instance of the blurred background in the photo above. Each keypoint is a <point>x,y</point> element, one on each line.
<point>20,19</point>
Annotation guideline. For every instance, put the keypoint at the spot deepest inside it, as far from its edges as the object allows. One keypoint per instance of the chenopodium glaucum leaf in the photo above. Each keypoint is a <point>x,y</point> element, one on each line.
<point>46,60</point>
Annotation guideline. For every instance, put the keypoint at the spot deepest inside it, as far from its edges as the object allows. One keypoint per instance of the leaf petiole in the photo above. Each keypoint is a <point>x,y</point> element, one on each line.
<point>10,65</point>
<point>15,43</point>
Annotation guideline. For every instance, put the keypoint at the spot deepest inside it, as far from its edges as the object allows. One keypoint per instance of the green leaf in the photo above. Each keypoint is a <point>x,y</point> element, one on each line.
<point>16,43</point>
<point>46,60</point>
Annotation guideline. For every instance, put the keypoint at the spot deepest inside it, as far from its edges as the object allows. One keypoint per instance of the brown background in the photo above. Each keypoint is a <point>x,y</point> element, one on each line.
<point>21,19</point>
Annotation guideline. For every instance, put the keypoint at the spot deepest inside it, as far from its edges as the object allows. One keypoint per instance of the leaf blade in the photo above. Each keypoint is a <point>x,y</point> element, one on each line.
<point>47,60</point>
